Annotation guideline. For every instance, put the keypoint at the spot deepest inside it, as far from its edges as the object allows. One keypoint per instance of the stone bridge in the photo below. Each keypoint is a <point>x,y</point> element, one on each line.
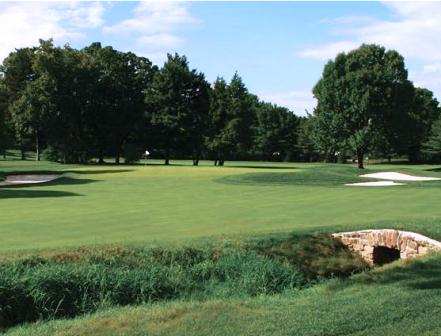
<point>378,247</point>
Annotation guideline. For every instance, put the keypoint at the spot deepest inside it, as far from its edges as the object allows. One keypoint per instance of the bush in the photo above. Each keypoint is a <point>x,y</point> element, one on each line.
<point>132,153</point>
<point>51,154</point>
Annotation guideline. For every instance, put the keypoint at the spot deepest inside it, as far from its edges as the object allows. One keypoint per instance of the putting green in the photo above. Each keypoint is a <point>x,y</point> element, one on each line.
<point>155,203</point>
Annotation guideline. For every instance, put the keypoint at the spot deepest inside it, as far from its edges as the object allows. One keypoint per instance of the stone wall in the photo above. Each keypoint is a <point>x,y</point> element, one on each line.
<point>409,244</point>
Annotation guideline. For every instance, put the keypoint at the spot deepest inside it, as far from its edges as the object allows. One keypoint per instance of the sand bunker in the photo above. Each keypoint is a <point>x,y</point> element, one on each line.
<point>375,184</point>
<point>398,177</point>
<point>27,179</point>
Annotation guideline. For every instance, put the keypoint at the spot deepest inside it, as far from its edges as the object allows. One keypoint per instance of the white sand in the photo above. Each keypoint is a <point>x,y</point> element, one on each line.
<point>375,184</point>
<point>398,177</point>
<point>27,179</point>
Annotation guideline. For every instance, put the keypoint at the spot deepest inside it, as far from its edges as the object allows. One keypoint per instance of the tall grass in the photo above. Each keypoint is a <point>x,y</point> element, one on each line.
<point>71,283</point>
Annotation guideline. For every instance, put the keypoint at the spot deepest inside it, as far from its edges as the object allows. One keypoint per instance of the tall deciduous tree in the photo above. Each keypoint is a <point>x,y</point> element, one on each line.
<point>17,71</point>
<point>276,132</point>
<point>425,112</point>
<point>433,144</point>
<point>118,96</point>
<point>358,96</point>
<point>232,114</point>
<point>178,107</point>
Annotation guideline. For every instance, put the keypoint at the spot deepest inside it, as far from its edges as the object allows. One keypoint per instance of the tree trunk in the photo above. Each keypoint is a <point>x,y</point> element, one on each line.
<point>37,147</point>
<point>215,162</point>
<point>101,157</point>
<point>195,162</point>
<point>360,157</point>
<point>118,155</point>
<point>23,155</point>
<point>221,162</point>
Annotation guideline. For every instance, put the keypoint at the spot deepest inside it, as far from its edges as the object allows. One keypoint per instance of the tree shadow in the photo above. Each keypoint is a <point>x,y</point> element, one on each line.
<point>19,193</point>
<point>261,167</point>
<point>419,274</point>
<point>434,169</point>
<point>98,171</point>
<point>59,181</point>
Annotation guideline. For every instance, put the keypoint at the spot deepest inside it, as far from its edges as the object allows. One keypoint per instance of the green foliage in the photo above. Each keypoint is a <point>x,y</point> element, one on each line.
<point>232,114</point>
<point>275,132</point>
<point>52,154</point>
<point>360,94</point>
<point>178,101</point>
<point>132,153</point>
<point>433,145</point>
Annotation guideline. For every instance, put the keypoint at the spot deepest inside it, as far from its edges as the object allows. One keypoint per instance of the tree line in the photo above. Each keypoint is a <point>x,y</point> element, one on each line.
<point>75,106</point>
<point>78,106</point>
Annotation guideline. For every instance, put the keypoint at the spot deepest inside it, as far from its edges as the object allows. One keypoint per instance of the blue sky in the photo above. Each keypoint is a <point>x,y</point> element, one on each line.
<point>279,48</point>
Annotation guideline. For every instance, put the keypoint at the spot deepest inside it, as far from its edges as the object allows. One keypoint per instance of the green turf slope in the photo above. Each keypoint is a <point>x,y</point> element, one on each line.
<point>136,204</point>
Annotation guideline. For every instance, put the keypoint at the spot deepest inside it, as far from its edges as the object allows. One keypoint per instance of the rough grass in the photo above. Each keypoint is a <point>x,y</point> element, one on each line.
<point>400,299</point>
<point>70,283</point>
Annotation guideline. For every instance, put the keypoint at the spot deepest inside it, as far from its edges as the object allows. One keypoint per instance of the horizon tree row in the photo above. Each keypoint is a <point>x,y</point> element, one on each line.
<point>77,105</point>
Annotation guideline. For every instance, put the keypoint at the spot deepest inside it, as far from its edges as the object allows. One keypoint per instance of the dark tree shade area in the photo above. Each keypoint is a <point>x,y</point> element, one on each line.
<point>81,106</point>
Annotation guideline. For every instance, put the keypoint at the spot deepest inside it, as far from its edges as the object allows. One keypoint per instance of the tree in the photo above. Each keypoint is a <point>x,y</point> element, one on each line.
<point>276,131</point>
<point>3,122</point>
<point>17,70</point>
<point>178,107</point>
<point>305,141</point>
<point>433,144</point>
<point>218,113</point>
<point>118,97</point>
<point>358,96</point>
<point>30,113</point>
<point>425,112</point>
<point>232,114</point>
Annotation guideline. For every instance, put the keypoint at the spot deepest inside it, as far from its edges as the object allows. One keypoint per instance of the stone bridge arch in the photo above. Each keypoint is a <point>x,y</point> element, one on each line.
<point>381,246</point>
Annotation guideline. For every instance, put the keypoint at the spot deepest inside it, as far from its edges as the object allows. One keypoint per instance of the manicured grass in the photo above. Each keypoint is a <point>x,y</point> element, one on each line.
<point>159,204</point>
<point>394,300</point>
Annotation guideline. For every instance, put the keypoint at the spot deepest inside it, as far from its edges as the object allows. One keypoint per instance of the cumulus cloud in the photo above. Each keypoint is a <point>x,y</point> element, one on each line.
<point>23,23</point>
<point>154,27</point>
<point>415,32</point>
<point>300,101</point>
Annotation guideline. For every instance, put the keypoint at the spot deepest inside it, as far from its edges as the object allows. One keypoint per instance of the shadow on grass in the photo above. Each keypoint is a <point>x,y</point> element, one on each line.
<point>59,181</point>
<point>261,167</point>
<point>434,169</point>
<point>419,274</point>
<point>18,193</point>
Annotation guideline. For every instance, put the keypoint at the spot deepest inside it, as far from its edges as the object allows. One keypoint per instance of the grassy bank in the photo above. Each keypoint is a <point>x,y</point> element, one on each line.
<point>75,282</point>
<point>402,299</point>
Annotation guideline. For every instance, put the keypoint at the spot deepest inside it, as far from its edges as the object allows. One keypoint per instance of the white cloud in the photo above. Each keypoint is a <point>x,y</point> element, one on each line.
<point>297,101</point>
<point>23,23</point>
<point>432,68</point>
<point>154,27</point>
<point>415,32</point>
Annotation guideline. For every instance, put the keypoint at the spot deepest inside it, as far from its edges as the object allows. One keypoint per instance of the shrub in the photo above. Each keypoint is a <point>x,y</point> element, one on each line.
<point>131,153</point>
